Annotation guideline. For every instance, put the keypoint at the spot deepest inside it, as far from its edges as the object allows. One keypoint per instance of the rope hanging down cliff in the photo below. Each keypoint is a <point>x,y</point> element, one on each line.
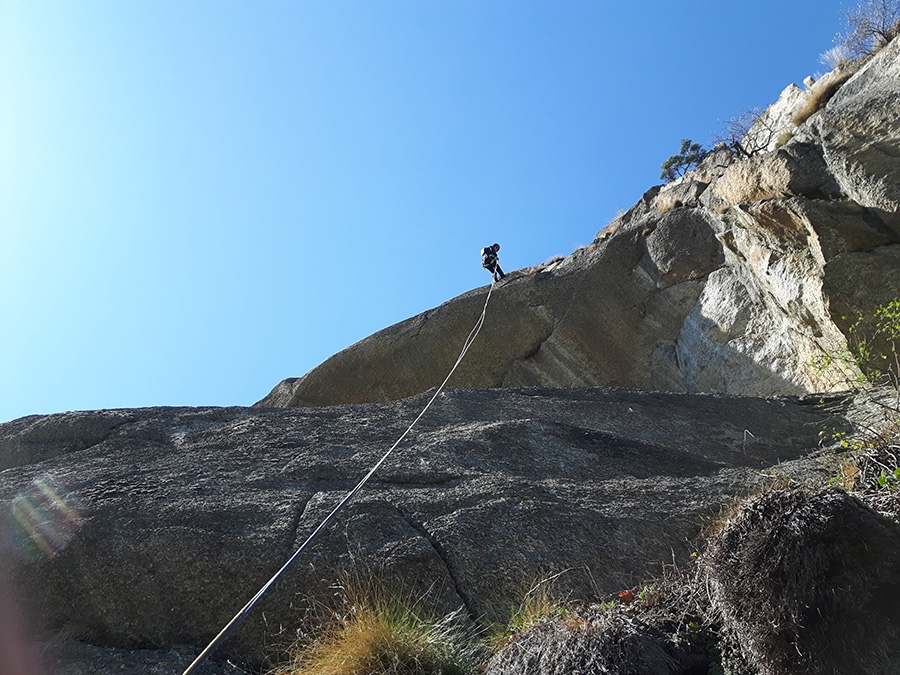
<point>245,610</point>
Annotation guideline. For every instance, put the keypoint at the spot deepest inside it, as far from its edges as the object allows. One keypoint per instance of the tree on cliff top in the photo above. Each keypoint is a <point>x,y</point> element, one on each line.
<point>870,26</point>
<point>691,155</point>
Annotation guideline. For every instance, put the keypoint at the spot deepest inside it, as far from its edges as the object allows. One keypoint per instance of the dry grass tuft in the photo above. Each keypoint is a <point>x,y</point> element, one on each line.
<point>666,201</point>
<point>376,633</point>
<point>534,269</point>
<point>821,92</point>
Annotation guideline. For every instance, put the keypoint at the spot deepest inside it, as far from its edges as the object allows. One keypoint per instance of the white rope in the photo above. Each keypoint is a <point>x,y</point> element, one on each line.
<point>231,625</point>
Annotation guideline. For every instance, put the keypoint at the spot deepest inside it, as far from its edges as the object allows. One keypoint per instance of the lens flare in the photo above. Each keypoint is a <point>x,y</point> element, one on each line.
<point>45,516</point>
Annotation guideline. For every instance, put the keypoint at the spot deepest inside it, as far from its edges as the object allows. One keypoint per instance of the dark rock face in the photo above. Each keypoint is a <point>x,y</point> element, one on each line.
<point>79,658</point>
<point>158,524</point>
<point>795,580</point>
<point>606,643</point>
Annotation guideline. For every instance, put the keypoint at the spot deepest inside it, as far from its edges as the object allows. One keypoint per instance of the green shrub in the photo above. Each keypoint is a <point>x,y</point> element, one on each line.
<point>874,343</point>
<point>691,155</point>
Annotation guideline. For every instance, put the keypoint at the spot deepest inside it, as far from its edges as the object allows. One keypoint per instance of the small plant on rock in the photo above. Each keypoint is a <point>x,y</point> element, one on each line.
<point>872,355</point>
<point>875,343</point>
<point>736,134</point>
<point>538,605</point>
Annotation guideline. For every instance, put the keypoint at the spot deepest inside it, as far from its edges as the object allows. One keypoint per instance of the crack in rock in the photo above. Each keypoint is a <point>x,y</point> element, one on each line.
<point>442,555</point>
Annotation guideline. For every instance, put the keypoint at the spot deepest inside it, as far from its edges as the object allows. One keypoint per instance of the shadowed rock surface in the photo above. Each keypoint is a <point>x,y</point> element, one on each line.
<point>593,644</point>
<point>795,580</point>
<point>166,520</point>
<point>809,582</point>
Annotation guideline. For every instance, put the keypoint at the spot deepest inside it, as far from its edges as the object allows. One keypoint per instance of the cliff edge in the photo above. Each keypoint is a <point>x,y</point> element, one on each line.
<point>741,277</point>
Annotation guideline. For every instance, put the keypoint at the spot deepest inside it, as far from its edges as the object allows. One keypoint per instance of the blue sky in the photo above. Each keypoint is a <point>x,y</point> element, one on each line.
<point>201,198</point>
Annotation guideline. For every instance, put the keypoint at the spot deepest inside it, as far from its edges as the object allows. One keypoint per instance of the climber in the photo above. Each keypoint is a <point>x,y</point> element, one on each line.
<point>491,262</point>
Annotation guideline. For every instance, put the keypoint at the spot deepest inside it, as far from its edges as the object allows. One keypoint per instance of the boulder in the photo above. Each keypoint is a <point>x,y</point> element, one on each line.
<point>807,580</point>
<point>682,247</point>
<point>598,642</point>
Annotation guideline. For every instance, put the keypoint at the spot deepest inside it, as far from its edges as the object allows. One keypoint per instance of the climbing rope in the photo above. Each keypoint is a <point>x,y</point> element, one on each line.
<point>245,610</point>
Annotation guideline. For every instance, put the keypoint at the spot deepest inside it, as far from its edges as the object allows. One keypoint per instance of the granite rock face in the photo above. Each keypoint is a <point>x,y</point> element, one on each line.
<point>858,132</point>
<point>157,525</point>
<point>736,278</point>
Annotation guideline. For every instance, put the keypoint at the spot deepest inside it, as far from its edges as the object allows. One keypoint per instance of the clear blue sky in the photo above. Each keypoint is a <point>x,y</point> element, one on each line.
<point>201,198</point>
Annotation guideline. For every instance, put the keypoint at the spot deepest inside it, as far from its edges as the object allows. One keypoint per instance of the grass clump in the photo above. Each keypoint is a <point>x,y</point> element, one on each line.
<point>822,91</point>
<point>663,627</point>
<point>534,269</point>
<point>539,605</point>
<point>375,632</point>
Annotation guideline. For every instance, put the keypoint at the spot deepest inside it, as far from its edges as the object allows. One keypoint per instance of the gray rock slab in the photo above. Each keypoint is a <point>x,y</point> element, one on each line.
<point>157,526</point>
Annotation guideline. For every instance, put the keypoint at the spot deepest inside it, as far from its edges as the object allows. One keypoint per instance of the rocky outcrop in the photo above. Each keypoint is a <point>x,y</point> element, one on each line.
<point>148,529</point>
<point>858,134</point>
<point>736,278</point>
<point>794,580</point>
